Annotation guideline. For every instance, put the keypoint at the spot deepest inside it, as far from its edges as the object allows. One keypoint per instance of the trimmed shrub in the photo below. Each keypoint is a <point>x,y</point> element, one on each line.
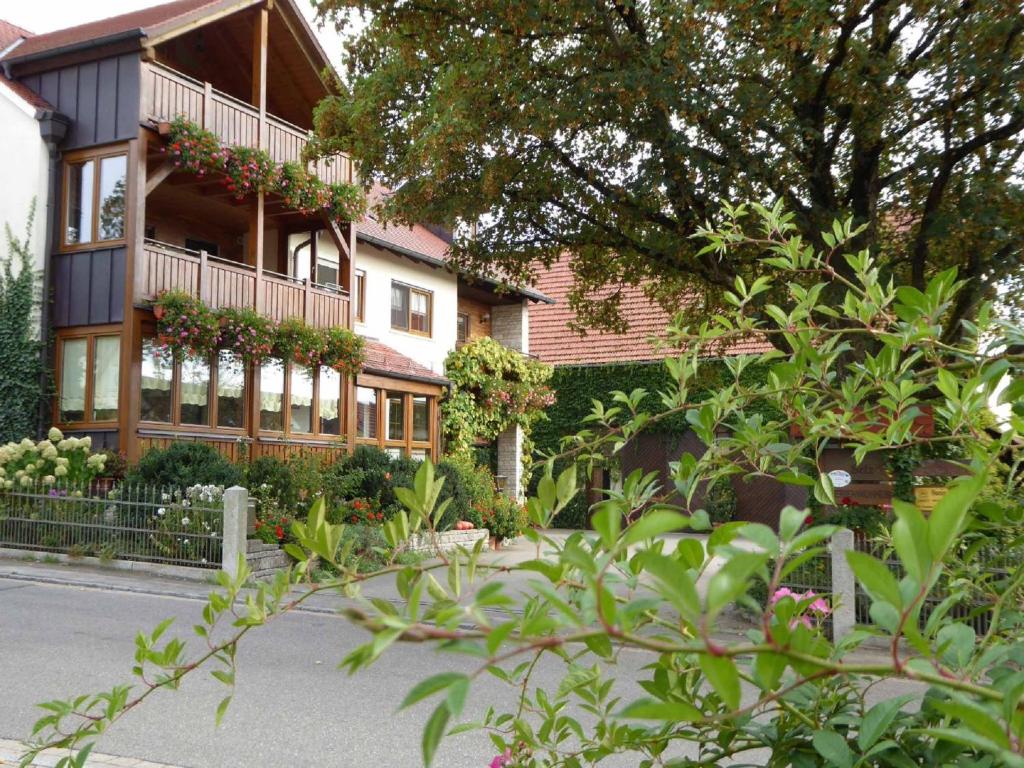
<point>720,501</point>
<point>182,465</point>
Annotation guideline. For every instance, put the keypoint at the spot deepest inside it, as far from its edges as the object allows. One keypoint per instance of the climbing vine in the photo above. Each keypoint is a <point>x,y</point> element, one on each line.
<point>21,353</point>
<point>186,325</point>
<point>493,388</point>
<point>244,170</point>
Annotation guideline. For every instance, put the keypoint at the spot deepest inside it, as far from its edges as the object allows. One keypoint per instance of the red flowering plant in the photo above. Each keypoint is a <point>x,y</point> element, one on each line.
<point>343,350</point>
<point>273,525</point>
<point>193,148</point>
<point>248,170</point>
<point>299,342</point>
<point>347,202</point>
<point>247,333</point>
<point>361,512</point>
<point>301,190</point>
<point>185,324</point>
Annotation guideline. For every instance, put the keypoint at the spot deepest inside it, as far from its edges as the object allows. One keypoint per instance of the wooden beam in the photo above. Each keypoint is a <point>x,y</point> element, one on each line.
<point>336,235</point>
<point>255,255</point>
<point>259,68</point>
<point>156,178</point>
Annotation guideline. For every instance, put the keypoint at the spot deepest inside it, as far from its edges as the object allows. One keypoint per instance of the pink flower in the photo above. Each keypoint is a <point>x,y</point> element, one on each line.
<point>502,760</point>
<point>781,593</point>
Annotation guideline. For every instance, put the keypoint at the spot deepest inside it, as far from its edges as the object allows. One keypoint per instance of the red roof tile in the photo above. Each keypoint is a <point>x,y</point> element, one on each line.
<point>10,32</point>
<point>146,19</point>
<point>25,93</point>
<point>553,340</point>
<point>383,360</point>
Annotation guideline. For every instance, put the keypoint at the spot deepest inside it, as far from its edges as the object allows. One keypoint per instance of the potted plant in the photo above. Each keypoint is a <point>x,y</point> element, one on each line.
<point>299,342</point>
<point>185,324</point>
<point>343,350</point>
<point>247,333</point>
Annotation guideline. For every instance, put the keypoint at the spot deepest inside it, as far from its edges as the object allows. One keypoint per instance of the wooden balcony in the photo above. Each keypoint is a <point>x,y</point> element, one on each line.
<point>220,283</point>
<point>167,94</point>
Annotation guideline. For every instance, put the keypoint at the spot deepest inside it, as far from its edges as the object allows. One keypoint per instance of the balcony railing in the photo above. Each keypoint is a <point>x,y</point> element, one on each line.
<point>220,283</point>
<point>168,94</point>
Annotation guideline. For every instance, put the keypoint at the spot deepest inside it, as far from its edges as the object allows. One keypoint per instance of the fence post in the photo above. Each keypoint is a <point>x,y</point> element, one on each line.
<point>236,524</point>
<point>844,591</point>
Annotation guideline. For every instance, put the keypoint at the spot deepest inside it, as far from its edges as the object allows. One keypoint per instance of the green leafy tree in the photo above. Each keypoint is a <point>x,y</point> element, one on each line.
<point>783,695</point>
<point>22,365</point>
<point>611,131</point>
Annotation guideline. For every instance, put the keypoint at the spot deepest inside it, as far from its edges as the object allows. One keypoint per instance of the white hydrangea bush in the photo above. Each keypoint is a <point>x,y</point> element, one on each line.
<point>56,460</point>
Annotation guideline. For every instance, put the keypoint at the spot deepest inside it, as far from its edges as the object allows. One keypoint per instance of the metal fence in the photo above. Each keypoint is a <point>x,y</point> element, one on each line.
<point>973,598</point>
<point>178,527</point>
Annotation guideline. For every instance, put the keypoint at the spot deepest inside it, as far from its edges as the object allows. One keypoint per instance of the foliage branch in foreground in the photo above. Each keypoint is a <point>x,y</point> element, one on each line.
<point>784,695</point>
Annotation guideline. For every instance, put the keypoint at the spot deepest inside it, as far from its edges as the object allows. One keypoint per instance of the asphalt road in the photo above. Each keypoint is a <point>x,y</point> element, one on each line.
<point>292,707</point>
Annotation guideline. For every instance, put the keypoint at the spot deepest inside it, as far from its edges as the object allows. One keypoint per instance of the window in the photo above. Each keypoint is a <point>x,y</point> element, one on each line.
<point>301,400</point>
<point>72,380</point>
<point>461,328</point>
<point>298,400</point>
<point>420,419</point>
<point>359,296</point>
<point>395,416</point>
<point>94,199</point>
<point>272,396</point>
<point>157,382</point>
<point>407,425</point>
<point>195,391</point>
<point>89,381</point>
<point>230,390</point>
<point>330,401</point>
<point>410,309</point>
<point>366,412</point>
<point>192,391</point>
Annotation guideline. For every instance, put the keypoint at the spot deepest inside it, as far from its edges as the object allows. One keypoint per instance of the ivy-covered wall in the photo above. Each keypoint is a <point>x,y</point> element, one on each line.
<point>576,386</point>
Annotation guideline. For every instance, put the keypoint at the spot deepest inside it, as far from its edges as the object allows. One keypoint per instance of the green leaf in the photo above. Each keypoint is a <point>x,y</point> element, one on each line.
<point>947,519</point>
<point>833,747</point>
<point>875,577</point>
<point>430,686</point>
<point>654,524</point>
<point>433,732</point>
<point>878,719</point>
<point>222,708</point>
<point>670,711</point>
<point>910,539</point>
<point>676,584</point>
<point>721,673</point>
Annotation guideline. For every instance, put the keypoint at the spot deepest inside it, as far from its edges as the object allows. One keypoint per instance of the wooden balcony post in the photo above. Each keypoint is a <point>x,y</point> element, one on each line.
<point>307,300</point>
<point>202,279</point>
<point>255,255</point>
<point>207,106</point>
<point>259,69</point>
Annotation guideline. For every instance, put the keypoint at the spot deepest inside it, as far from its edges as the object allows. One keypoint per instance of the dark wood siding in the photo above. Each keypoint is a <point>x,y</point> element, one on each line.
<point>102,439</point>
<point>101,98</point>
<point>88,287</point>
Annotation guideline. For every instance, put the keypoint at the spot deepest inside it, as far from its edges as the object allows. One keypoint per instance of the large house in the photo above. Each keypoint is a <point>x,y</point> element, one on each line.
<point>85,113</point>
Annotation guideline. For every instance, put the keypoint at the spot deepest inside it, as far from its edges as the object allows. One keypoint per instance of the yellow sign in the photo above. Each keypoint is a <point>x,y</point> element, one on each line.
<point>927,496</point>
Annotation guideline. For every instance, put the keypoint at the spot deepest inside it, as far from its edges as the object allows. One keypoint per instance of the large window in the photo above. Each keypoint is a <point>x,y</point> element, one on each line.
<point>89,380</point>
<point>94,198</point>
<point>406,420</point>
<point>192,391</point>
<point>296,400</point>
<point>410,309</point>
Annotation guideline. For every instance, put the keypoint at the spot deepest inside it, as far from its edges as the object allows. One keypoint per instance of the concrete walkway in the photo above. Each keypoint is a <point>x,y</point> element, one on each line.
<point>10,755</point>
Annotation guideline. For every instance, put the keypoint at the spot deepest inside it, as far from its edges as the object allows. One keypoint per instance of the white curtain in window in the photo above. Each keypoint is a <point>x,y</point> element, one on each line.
<point>106,367</point>
<point>271,386</point>
<point>195,381</point>
<point>72,379</point>
<point>330,392</point>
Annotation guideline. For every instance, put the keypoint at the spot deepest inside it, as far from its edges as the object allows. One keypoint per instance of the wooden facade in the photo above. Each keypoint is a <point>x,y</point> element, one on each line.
<point>119,242</point>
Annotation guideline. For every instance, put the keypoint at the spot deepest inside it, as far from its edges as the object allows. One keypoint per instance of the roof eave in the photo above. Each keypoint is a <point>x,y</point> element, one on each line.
<point>127,35</point>
<point>433,261</point>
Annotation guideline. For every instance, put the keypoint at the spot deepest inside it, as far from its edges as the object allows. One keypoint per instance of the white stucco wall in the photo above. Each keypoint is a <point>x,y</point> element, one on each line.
<point>25,163</point>
<point>381,268</point>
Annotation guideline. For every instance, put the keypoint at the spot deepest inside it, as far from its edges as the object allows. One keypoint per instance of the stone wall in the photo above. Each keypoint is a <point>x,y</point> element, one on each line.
<point>448,541</point>
<point>510,324</point>
<point>264,560</point>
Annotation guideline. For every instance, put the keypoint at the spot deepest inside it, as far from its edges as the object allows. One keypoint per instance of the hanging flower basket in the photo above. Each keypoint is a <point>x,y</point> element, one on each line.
<point>299,342</point>
<point>248,170</point>
<point>185,324</point>
<point>247,333</point>
<point>343,350</point>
